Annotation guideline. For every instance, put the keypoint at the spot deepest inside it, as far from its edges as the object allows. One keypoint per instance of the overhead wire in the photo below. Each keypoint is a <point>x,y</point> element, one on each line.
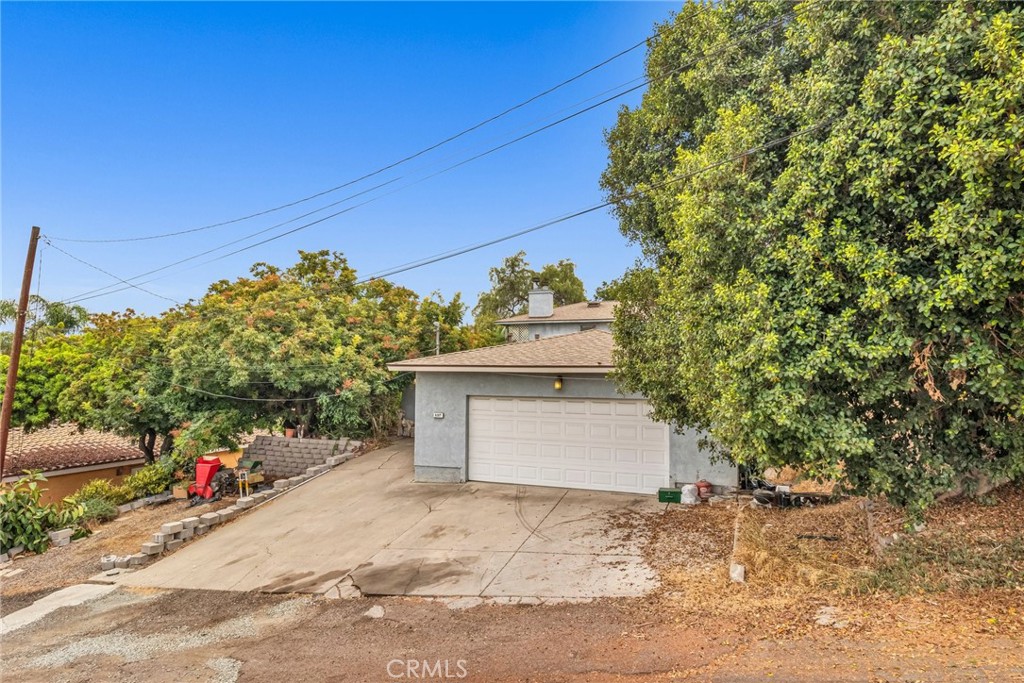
<point>393,164</point>
<point>91,294</point>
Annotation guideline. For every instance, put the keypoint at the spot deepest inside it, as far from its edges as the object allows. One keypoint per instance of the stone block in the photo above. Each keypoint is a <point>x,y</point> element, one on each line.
<point>353,445</point>
<point>127,507</point>
<point>137,559</point>
<point>172,528</point>
<point>295,481</point>
<point>152,548</point>
<point>201,529</point>
<point>107,562</point>
<point>210,518</point>
<point>334,461</point>
<point>122,562</point>
<point>282,484</point>
<point>186,534</point>
<point>258,497</point>
<point>61,535</point>
<point>245,502</point>
<point>173,545</point>
<point>161,537</point>
<point>312,471</point>
<point>190,522</point>
<point>136,504</point>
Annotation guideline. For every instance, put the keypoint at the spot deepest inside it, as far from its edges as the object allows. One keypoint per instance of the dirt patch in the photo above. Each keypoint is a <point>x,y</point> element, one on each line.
<point>75,563</point>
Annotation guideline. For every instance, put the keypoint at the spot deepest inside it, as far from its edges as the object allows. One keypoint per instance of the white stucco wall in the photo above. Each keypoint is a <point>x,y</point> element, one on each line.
<point>440,449</point>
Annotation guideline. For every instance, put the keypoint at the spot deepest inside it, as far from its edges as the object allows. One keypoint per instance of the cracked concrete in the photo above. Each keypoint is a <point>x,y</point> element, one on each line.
<point>367,528</point>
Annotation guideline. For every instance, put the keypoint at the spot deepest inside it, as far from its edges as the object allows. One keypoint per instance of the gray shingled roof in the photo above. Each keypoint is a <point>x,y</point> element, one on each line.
<point>588,351</point>
<point>585,311</point>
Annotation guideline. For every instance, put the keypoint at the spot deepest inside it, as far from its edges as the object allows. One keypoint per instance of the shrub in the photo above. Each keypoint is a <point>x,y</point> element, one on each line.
<point>150,480</point>
<point>106,490</point>
<point>24,521</point>
<point>97,509</point>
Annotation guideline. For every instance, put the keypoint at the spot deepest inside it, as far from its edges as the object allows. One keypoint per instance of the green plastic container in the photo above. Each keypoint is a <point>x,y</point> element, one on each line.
<point>669,495</point>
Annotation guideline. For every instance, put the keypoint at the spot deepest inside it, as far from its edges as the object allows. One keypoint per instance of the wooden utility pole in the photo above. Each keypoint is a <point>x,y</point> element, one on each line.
<point>19,336</point>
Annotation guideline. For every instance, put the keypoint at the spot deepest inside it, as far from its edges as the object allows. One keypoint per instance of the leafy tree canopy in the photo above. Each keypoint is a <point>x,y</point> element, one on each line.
<point>852,301</point>
<point>306,346</point>
<point>511,283</point>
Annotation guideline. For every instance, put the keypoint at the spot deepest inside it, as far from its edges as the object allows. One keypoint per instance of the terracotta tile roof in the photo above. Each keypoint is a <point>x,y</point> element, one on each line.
<point>585,311</point>
<point>64,446</point>
<point>582,351</point>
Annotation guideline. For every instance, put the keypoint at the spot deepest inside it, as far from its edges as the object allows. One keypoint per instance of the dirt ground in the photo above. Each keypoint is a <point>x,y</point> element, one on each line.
<point>807,612</point>
<point>57,568</point>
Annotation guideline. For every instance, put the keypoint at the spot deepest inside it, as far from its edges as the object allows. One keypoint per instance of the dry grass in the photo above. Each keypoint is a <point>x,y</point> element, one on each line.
<point>820,547</point>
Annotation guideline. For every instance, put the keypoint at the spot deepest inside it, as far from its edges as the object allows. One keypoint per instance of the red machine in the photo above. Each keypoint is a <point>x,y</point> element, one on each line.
<point>206,468</point>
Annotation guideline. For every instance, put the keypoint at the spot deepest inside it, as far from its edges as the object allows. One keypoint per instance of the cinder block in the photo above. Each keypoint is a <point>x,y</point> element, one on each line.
<point>190,522</point>
<point>210,518</point>
<point>245,502</point>
<point>201,529</point>
<point>61,542</point>
<point>186,534</point>
<point>174,545</point>
<point>258,497</point>
<point>334,461</point>
<point>161,537</point>
<point>172,527</point>
<point>137,559</point>
<point>127,507</point>
<point>353,445</point>
<point>122,562</point>
<point>107,562</point>
<point>282,484</point>
<point>296,480</point>
<point>152,548</point>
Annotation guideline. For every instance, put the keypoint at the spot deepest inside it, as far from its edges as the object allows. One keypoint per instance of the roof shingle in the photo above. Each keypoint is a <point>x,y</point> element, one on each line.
<point>63,447</point>
<point>582,351</point>
<point>585,311</point>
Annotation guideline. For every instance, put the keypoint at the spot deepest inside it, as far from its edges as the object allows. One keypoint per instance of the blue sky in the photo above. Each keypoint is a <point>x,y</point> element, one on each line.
<point>121,120</point>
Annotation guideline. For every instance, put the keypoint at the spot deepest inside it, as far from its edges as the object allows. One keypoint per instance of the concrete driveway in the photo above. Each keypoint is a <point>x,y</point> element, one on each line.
<point>368,526</point>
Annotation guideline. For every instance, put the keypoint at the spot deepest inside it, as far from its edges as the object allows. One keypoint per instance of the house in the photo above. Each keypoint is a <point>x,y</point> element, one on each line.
<point>544,320</point>
<point>543,411</point>
<point>69,457</point>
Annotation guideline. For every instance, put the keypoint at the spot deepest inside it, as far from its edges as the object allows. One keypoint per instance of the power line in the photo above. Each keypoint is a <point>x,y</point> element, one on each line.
<point>91,294</point>
<point>597,207</point>
<point>391,165</point>
<point>107,272</point>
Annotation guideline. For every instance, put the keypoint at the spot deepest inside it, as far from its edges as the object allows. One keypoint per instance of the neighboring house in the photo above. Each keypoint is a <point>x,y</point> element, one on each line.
<point>543,412</point>
<point>69,457</point>
<point>544,320</point>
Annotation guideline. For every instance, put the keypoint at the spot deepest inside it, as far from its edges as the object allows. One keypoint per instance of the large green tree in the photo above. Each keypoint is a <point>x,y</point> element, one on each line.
<point>850,300</point>
<point>511,283</point>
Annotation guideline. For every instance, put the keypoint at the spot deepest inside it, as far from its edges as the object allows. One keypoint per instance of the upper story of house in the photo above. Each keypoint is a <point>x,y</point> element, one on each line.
<point>543,319</point>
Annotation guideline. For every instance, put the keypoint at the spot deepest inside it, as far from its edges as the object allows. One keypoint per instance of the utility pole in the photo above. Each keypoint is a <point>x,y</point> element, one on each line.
<point>437,337</point>
<point>19,336</point>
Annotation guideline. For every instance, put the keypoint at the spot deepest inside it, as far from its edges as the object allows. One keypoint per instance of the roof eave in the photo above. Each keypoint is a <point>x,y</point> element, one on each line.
<point>514,369</point>
<point>567,321</point>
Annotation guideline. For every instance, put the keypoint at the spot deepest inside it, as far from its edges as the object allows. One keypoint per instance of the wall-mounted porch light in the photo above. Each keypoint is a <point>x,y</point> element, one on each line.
<point>558,383</point>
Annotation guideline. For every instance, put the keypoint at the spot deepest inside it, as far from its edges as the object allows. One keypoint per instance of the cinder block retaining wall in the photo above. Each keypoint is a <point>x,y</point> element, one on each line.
<point>284,457</point>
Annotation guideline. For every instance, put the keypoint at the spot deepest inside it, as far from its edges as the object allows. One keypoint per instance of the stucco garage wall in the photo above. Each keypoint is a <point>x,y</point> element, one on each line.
<point>440,454</point>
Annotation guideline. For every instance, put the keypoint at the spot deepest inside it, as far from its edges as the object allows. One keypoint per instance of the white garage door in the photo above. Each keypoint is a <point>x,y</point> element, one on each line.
<point>605,445</point>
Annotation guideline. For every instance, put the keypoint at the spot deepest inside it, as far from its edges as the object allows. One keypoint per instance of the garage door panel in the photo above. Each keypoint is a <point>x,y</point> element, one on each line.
<point>579,443</point>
